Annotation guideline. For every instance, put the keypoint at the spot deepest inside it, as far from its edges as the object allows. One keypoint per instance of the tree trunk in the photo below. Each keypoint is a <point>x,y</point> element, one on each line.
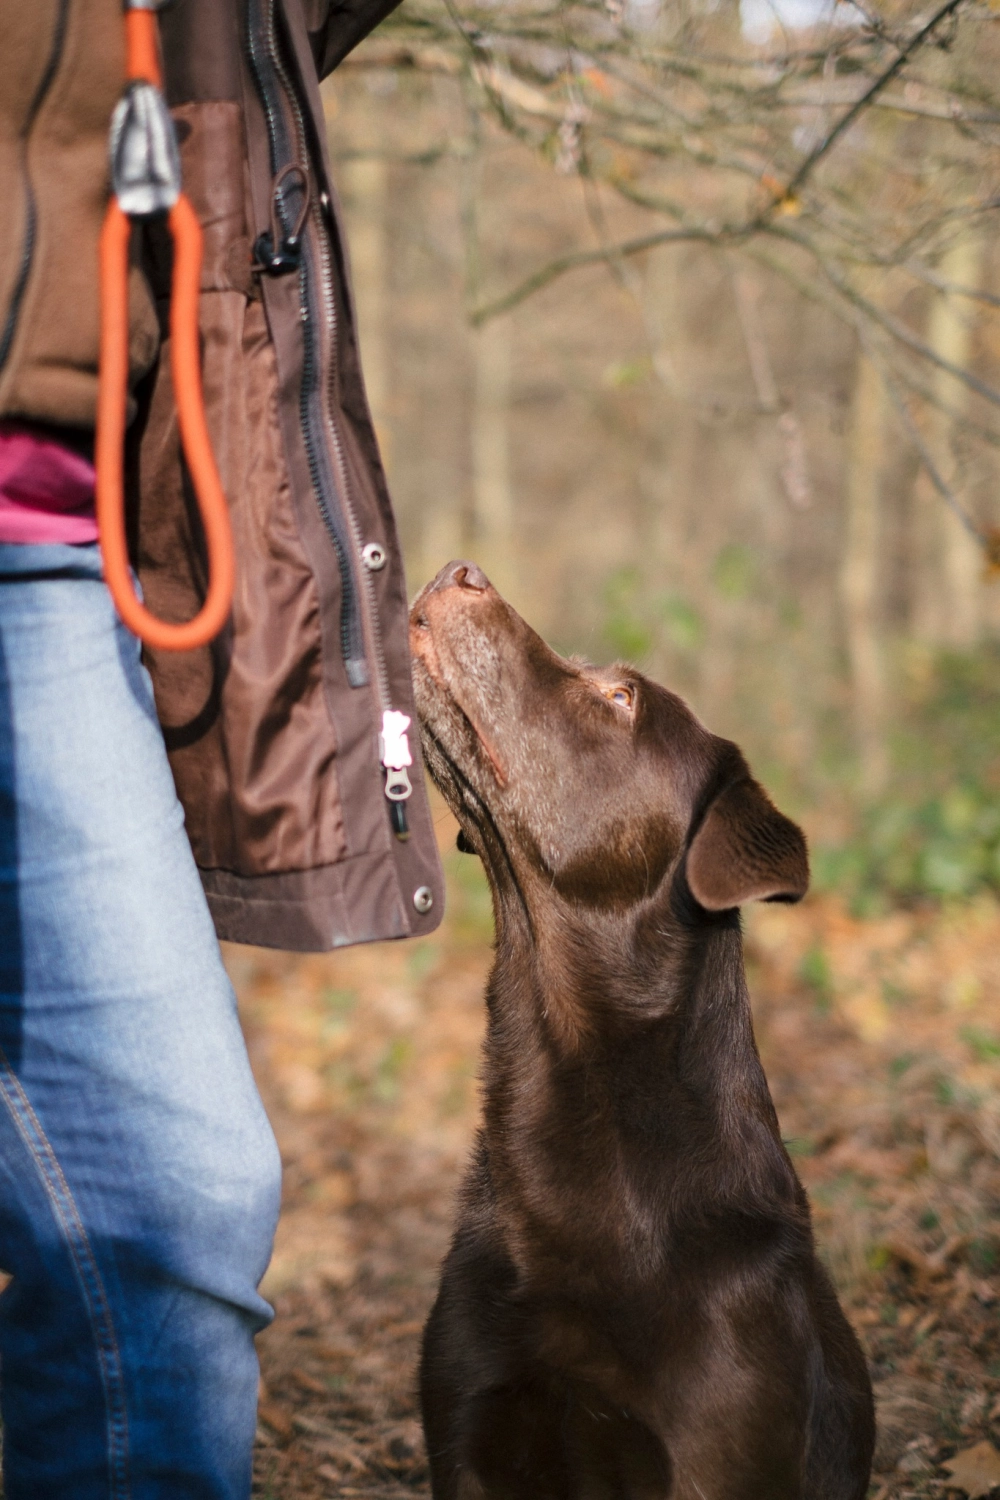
<point>947,604</point>
<point>365,187</point>
<point>859,574</point>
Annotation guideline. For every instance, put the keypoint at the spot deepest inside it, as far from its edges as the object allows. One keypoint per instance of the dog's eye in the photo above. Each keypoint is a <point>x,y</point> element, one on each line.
<point>621,695</point>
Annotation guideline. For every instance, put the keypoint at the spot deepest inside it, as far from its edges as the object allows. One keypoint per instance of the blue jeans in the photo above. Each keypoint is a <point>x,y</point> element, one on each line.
<point>139,1178</point>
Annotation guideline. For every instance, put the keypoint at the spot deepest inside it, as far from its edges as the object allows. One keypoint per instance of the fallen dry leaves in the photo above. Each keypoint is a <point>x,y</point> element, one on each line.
<point>975,1470</point>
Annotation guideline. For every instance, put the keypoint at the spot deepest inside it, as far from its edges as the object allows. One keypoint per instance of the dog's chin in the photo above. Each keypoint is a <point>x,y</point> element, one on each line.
<point>453,752</point>
<point>460,770</point>
<point>450,723</point>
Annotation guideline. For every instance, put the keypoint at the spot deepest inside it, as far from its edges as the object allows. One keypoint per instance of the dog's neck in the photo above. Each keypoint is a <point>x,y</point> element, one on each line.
<point>627,1059</point>
<point>585,980</point>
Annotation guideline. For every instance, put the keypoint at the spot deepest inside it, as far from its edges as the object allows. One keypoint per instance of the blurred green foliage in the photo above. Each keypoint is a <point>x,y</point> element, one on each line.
<point>814,970</point>
<point>935,831</point>
<point>982,1256</point>
<point>339,1005</point>
<point>625,373</point>
<point>984,1045</point>
<point>385,1083</point>
<point>934,846</point>
<point>470,905</point>
<point>636,622</point>
<point>735,571</point>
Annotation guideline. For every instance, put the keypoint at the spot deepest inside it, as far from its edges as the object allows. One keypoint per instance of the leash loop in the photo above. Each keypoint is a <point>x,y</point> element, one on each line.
<point>146,180</point>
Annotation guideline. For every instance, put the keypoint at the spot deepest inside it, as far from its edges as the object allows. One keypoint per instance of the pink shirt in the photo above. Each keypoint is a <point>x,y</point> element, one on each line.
<point>46,490</point>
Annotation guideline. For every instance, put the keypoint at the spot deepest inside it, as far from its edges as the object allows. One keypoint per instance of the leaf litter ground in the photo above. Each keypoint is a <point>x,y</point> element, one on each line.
<point>881,1045</point>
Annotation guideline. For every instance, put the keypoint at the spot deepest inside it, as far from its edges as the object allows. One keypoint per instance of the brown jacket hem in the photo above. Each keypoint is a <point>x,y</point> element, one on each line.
<point>310,911</point>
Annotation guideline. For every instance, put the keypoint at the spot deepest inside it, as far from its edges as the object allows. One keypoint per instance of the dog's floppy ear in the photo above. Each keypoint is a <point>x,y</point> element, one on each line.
<point>746,850</point>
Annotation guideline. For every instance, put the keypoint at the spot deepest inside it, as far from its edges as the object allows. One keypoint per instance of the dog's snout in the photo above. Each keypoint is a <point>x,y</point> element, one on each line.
<point>462,575</point>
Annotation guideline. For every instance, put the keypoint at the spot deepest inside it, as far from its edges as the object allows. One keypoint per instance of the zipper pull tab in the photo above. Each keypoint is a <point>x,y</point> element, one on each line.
<point>394,753</point>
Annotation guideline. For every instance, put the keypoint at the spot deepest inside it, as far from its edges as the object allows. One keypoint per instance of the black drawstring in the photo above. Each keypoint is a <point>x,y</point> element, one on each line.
<point>278,251</point>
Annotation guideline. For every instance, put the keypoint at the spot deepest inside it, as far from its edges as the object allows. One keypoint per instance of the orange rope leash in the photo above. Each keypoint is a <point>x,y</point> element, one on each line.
<point>142,51</point>
<point>185,366</point>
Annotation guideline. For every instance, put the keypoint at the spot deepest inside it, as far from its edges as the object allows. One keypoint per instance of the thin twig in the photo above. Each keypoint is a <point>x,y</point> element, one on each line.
<point>933,472</point>
<point>974,294</point>
<point>577,258</point>
<point>858,108</point>
<point>892,325</point>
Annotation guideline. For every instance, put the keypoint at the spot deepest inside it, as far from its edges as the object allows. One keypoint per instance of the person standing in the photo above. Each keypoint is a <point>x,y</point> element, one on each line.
<point>152,803</point>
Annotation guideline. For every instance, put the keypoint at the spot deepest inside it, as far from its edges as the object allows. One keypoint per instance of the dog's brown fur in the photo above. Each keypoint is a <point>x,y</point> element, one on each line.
<point>632,1307</point>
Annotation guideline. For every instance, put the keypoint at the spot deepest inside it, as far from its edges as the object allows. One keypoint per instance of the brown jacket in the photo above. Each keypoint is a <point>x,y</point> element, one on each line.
<point>273,731</point>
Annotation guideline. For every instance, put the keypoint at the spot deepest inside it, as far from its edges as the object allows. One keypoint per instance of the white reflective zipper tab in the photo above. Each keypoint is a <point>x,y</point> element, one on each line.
<point>394,753</point>
<point>394,744</point>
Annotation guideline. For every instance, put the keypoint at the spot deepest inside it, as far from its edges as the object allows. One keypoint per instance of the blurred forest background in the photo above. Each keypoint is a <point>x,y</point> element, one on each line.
<point>683,320</point>
<point>759,458</point>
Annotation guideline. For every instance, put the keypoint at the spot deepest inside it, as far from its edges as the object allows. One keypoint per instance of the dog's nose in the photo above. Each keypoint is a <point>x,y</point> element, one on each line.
<point>461,575</point>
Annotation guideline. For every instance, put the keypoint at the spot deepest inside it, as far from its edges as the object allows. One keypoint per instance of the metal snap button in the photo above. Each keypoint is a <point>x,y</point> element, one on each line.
<point>423,899</point>
<point>374,557</point>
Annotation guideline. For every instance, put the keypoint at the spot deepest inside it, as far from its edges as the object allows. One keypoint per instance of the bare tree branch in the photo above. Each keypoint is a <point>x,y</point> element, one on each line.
<point>550,272</point>
<point>933,472</point>
<point>857,109</point>
<point>705,138</point>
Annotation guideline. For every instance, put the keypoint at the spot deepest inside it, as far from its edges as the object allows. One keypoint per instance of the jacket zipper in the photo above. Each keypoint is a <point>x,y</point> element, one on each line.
<point>315,418</point>
<point>330,313</point>
<point>367,582</point>
<point>318,408</point>
<point>31,222</point>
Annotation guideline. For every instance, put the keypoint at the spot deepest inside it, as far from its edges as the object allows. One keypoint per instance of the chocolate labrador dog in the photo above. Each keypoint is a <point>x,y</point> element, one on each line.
<point>632,1307</point>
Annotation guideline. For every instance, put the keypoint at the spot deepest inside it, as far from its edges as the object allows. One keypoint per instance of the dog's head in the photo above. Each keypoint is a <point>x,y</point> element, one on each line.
<point>592,783</point>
